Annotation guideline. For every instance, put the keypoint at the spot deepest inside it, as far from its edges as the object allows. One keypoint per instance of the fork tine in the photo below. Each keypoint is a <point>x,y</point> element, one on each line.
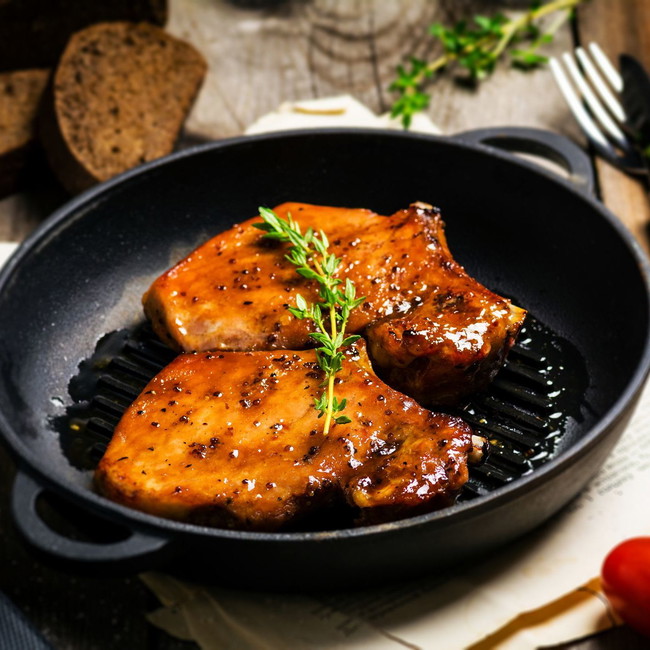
<point>627,157</point>
<point>606,66</point>
<point>594,104</point>
<point>583,118</point>
<point>594,76</point>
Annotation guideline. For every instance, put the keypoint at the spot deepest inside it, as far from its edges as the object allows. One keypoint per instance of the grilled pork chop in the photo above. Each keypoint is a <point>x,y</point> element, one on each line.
<point>232,439</point>
<point>434,331</point>
<point>232,292</point>
<point>449,345</point>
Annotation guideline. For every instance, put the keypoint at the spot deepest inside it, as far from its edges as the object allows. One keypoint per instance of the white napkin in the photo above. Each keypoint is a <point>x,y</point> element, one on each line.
<point>6,249</point>
<point>342,110</point>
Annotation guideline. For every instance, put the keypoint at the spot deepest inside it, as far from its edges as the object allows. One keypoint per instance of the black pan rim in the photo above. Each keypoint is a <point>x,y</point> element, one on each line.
<point>127,516</point>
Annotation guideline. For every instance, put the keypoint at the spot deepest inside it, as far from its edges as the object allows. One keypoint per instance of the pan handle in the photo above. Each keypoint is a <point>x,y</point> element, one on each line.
<point>139,550</point>
<point>538,142</point>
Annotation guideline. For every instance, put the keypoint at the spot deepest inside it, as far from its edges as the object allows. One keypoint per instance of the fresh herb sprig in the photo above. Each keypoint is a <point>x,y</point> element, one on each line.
<point>477,47</point>
<point>309,253</point>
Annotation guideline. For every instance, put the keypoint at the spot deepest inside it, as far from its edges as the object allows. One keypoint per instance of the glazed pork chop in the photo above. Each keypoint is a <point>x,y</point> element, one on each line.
<point>232,292</point>
<point>449,345</point>
<point>431,328</point>
<point>231,439</point>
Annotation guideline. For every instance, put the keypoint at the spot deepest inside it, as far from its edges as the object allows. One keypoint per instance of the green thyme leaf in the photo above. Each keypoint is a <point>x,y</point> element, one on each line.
<point>309,253</point>
<point>477,46</point>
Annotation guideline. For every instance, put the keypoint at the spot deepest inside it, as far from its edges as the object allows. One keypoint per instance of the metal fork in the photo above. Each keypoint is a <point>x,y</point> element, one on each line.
<point>597,109</point>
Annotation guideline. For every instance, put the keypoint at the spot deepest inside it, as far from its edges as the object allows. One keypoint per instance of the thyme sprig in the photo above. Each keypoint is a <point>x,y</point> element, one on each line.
<point>309,253</point>
<point>477,47</point>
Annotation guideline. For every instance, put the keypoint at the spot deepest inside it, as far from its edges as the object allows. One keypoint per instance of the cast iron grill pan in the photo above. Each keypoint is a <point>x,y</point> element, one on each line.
<point>521,231</point>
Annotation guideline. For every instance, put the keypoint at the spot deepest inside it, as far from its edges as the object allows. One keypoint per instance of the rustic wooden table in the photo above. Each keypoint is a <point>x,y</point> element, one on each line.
<point>260,54</point>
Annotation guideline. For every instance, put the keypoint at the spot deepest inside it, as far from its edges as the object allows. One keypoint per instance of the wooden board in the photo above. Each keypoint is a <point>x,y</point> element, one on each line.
<point>259,59</point>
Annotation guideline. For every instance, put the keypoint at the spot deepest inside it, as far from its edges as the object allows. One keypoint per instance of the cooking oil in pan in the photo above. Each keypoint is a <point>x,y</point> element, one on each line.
<point>535,402</point>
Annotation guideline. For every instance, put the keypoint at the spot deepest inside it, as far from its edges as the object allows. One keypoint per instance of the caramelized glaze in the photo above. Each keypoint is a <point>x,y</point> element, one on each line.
<point>432,330</point>
<point>232,292</point>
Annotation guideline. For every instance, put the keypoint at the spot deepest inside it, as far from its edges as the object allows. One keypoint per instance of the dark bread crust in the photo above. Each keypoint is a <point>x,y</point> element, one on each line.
<point>33,33</point>
<point>118,98</point>
<point>20,95</point>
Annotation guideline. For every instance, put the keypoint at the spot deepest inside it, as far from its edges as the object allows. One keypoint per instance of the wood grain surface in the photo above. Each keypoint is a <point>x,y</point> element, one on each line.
<point>326,47</point>
<point>261,54</point>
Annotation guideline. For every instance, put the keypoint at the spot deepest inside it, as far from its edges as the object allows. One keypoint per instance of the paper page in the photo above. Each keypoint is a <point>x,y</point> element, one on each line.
<point>230,619</point>
<point>581,612</point>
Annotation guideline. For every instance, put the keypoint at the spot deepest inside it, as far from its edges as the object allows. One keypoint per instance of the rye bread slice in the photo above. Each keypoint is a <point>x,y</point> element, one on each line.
<point>20,95</point>
<point>119,97</point>
<point>33,33</point>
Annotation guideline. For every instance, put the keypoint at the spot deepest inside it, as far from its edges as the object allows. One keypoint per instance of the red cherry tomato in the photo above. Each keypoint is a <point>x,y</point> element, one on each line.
<point>626,582</point>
